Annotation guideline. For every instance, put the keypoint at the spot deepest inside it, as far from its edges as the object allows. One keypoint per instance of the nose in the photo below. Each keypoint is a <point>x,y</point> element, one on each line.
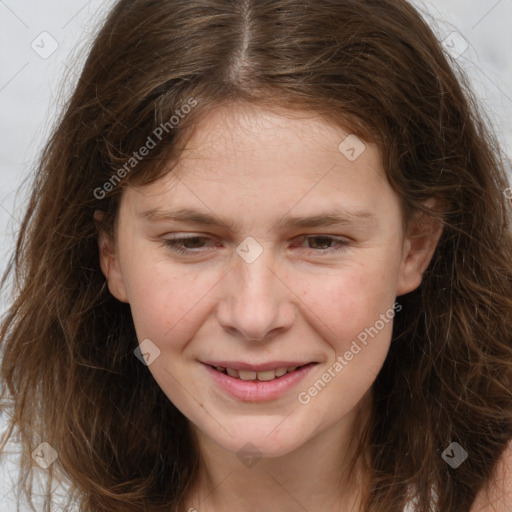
<point>256,302</point>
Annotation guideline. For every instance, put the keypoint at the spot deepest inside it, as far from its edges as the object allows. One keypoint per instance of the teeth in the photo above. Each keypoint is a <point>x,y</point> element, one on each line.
<point>268,375</point>
<point>261,376</point>
<point>232,373</point>
<point>247,374</point>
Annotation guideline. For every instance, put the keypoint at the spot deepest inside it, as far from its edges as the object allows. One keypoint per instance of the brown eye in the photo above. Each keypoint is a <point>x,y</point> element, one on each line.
<point>193,242</point>
<point>320,242</point>
<point>324,244</point>
<point>184,245</point>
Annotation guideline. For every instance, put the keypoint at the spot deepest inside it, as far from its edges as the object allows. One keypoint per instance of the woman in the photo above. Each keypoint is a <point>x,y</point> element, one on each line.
<point>267,263</point>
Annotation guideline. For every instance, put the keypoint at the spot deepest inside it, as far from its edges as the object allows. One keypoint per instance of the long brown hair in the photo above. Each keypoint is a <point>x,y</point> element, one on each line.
<point>373,66</point>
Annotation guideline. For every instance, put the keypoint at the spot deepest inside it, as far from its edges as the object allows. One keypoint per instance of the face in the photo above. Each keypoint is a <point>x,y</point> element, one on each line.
<point>276,242</point>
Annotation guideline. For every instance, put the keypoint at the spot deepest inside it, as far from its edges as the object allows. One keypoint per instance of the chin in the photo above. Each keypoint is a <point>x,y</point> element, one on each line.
<point>268,438</point>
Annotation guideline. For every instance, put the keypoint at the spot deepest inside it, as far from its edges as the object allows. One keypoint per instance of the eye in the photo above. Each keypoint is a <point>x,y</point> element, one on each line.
<point>318,244</point>
<point>186,245</point>
<point>325,243</point>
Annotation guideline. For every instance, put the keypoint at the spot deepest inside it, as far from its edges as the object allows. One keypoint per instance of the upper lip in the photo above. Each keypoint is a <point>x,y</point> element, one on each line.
<point>271,365</point>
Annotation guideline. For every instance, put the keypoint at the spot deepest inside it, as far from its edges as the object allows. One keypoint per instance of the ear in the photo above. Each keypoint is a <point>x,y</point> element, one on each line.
<point>109,262</point>
<point>420,242</point>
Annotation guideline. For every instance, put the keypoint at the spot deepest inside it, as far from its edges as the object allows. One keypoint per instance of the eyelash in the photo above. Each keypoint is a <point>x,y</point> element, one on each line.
<point>174,244</point>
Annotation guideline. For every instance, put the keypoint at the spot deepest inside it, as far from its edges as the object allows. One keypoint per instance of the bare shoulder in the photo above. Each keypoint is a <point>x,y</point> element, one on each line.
<point>497,496</point>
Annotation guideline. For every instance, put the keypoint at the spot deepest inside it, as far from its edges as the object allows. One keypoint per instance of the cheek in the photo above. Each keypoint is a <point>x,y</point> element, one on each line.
<point>357,306</point>
<point>166,300</point>
<point>353,298</point>
<point>365,315</point>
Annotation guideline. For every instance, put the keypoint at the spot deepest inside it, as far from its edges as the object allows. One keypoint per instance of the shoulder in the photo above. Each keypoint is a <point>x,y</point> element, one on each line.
<point>497,495</point>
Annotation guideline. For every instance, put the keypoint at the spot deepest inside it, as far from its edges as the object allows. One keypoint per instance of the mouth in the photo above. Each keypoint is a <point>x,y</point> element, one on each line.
<point>257,383</point>
<point>260,376</point>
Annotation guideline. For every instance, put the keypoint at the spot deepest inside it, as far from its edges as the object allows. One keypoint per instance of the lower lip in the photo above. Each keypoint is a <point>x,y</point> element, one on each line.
<point>257,391</point>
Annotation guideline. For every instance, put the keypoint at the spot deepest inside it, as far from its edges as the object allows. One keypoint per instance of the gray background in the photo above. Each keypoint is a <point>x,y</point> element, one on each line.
<point>30,88</point>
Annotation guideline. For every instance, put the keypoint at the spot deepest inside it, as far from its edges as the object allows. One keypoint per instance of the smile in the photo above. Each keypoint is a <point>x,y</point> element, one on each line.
<point>259,376</point>
<point>258,384</point>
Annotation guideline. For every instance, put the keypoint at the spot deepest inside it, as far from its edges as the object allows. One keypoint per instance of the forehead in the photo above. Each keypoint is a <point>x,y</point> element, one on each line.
<point>238,156</point>
<point>256,132</point>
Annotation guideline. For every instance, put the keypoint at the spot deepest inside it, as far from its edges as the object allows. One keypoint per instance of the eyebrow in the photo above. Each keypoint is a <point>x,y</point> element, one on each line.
<point>336,217</point>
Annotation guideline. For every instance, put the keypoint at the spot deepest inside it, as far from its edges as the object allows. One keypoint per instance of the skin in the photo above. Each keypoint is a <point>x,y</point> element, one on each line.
<point>300,299</point>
